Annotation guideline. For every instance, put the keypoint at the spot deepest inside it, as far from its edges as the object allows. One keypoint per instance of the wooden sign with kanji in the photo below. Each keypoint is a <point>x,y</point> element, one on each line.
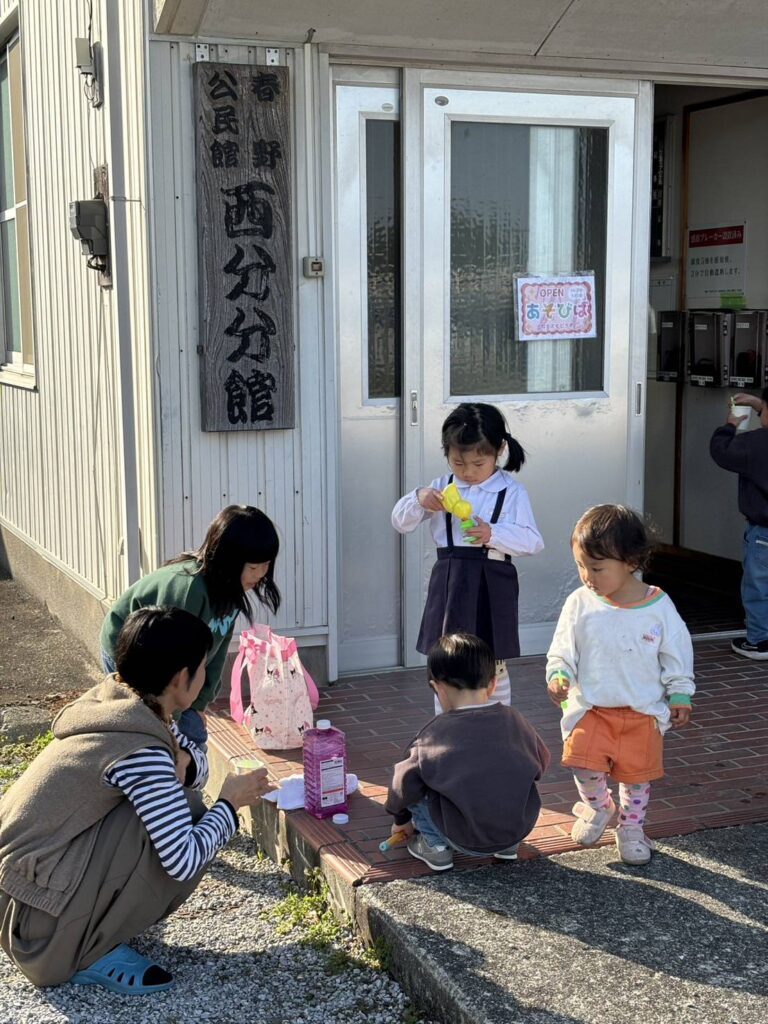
<point>243,135</point>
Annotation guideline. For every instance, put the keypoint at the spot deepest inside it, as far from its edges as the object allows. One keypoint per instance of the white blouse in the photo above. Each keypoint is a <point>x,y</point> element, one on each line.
<point>515,533</point>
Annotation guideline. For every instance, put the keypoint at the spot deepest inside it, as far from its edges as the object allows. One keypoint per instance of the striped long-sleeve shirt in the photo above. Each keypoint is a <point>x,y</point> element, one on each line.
<point>148,779</point>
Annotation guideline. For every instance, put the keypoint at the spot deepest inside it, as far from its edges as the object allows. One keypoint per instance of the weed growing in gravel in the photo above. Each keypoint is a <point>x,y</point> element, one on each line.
<point>376,957</point>
<point>412,1016</point>
<point>16,757</point>
<point>309,911</point>
<point>324,929</point>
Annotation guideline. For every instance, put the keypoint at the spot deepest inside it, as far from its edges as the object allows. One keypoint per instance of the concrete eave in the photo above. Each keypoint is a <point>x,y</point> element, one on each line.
<point>726,36</point>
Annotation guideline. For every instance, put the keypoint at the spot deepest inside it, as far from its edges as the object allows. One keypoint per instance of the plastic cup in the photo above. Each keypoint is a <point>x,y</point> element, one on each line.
<point>243,765</point>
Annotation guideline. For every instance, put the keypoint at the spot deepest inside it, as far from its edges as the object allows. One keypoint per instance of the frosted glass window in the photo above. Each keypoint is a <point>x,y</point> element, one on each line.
<point>525,199</point>
<point>382,180</point>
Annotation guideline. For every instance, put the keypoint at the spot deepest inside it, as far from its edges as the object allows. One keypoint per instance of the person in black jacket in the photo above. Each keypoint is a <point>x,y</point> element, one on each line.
<point>747,455</point>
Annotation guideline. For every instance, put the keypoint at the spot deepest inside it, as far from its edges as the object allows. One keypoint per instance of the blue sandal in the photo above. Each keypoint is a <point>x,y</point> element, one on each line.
<point>122,970</point>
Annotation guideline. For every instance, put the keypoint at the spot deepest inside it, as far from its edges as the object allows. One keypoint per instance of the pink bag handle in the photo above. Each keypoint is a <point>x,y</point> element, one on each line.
<point>248,644</point>
<point>314,695</point>
<point>236,687</point>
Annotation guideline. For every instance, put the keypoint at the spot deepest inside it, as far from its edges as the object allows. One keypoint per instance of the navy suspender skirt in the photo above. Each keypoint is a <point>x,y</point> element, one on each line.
<point>472,593</point>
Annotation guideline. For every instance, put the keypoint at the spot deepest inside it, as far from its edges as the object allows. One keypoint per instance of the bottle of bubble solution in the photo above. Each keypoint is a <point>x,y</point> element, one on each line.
<point>325,770</point>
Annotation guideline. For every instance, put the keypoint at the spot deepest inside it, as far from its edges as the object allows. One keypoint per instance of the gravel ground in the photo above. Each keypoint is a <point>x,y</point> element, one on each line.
<point>231,967</point>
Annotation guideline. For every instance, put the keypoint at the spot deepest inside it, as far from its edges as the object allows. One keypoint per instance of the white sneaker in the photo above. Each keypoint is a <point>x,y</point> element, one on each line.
<point>590,823</point>
<point>509,854</point>
<point>633,844</point>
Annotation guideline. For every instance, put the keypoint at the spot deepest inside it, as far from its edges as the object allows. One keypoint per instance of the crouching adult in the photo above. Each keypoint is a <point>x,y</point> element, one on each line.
<point>97,840</point>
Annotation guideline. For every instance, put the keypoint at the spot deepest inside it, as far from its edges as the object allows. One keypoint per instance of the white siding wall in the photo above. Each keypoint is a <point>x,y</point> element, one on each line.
<point>281,471</point>
<point>61,464</point>
<point>133,52</point>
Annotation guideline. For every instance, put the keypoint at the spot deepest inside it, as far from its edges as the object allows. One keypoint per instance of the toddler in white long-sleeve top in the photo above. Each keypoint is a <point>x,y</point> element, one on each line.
<point>474,586</point>
<point>621,667</point>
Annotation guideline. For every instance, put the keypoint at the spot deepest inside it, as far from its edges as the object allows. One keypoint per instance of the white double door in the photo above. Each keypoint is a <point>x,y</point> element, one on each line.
<point>447,187</point>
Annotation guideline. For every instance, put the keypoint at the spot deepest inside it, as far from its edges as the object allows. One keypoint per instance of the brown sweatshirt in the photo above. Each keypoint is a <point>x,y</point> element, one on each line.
<point>477,768</point>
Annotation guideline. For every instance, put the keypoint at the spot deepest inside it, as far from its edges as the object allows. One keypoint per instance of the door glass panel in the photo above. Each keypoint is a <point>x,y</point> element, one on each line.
<point>382,152</point>
<point>525,199</point>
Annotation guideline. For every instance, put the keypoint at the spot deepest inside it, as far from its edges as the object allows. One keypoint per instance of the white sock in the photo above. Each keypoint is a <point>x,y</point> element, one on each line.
<point>503,691</point>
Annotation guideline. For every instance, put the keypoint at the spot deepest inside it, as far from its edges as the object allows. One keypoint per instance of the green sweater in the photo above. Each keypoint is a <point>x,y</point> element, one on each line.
<point>180,585</point>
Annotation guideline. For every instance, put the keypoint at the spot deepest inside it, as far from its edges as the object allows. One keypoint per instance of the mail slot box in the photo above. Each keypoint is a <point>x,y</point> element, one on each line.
<point>670,345</point>
<point>748,349</point>
<point>709,348</point>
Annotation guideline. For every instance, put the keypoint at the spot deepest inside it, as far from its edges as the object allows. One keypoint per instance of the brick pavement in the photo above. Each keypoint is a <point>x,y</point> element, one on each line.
<point>717,768</point>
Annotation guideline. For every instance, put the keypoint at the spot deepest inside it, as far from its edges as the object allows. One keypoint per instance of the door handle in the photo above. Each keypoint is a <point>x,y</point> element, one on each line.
<point>414,408</point>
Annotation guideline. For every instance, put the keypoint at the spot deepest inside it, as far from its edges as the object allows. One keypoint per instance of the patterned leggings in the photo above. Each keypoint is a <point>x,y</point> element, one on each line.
<point>633,796</point>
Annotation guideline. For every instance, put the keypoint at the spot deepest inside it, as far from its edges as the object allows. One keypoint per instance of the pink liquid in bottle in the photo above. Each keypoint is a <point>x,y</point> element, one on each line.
<point>325,770</point>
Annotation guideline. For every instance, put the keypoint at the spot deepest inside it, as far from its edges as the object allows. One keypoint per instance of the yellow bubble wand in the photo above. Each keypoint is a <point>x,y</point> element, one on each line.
<point>459,507</point>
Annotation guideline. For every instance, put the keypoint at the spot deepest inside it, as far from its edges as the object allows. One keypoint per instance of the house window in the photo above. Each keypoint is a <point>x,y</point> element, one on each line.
<point>16,349</point>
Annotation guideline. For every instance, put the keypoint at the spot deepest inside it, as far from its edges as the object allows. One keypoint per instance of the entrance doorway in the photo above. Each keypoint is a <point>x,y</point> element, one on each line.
<point>448,186</point>
<point>708,146</point>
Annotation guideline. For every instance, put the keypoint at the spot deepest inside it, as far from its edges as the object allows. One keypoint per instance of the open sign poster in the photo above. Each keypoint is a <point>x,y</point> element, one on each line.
<point>553,308</point>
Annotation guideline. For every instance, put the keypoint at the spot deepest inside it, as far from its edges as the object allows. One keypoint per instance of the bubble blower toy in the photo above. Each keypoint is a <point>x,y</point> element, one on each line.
<point>457,506</point>
<point>563,683</point>
<point>396,839</point>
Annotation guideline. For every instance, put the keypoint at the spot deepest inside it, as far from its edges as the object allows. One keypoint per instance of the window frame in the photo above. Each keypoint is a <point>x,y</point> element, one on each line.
<point>17,366</point>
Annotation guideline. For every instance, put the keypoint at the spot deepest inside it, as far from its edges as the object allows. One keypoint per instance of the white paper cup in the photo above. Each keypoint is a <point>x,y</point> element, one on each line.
<point>744,412</point>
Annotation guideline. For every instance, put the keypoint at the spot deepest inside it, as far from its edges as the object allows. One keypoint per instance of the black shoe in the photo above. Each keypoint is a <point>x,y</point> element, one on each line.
<point>757,652</point>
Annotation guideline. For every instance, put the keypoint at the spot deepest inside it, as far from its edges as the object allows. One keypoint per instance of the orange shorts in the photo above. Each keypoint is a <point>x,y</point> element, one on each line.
<point>625,744</point>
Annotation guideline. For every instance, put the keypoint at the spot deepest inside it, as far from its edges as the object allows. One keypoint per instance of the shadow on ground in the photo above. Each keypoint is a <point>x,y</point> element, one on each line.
<point>584,937</point>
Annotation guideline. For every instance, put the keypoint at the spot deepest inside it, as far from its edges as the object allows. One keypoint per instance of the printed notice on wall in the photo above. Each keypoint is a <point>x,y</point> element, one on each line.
<point>559,306</point>
<point>715,270</point>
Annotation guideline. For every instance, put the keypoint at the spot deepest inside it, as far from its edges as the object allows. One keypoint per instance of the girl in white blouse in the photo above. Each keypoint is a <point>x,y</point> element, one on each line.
<point>474,586</point>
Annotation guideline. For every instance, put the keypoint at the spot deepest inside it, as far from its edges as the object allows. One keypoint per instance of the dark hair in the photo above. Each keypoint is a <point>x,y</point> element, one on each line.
<point>156,643</point>
<point>461,660</point>
<point>764,396</point>
<point>481,426</point>
<point>239,534</point>
<point>613,531</point>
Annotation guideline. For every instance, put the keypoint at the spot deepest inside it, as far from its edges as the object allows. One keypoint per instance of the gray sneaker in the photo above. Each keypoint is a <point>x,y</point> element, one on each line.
<point>439,858</point>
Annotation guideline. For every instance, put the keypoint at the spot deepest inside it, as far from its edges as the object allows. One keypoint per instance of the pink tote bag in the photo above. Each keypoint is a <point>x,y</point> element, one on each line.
<point>282,694</point>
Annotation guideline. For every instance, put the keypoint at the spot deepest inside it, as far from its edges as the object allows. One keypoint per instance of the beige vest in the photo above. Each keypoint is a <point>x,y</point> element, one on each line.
<point>50,817</point>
